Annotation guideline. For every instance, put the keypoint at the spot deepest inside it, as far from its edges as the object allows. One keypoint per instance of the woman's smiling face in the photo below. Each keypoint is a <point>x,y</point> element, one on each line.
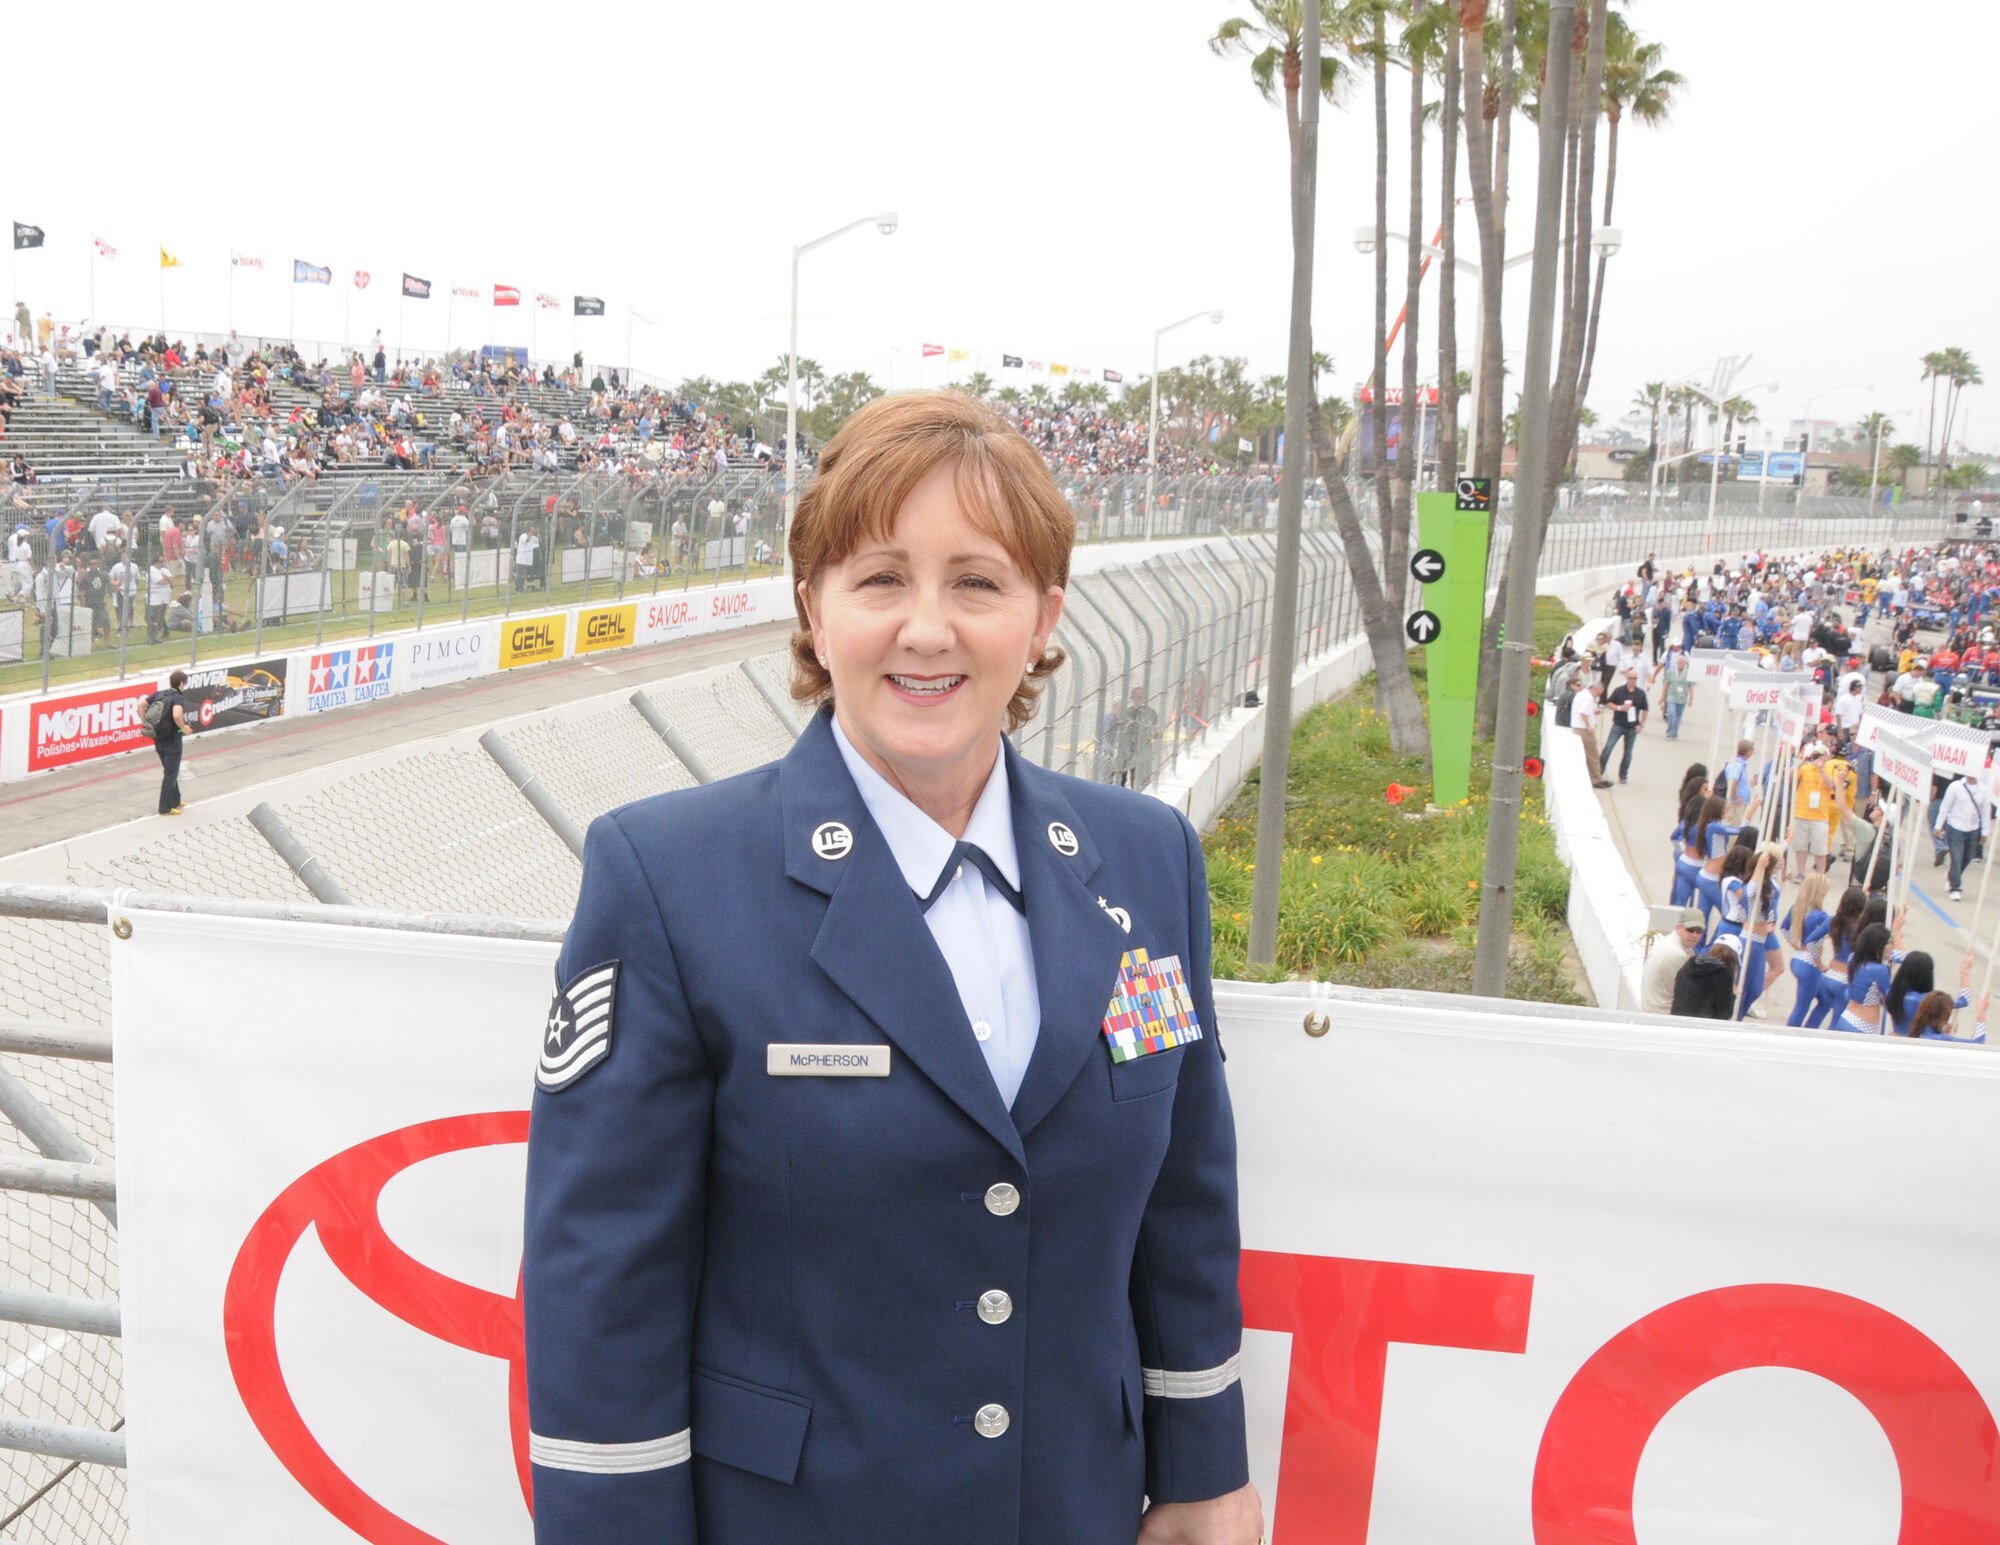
<point>927,632</point>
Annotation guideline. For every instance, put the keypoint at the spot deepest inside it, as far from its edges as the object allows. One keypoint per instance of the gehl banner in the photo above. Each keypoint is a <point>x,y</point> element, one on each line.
<point>1507,1278</point>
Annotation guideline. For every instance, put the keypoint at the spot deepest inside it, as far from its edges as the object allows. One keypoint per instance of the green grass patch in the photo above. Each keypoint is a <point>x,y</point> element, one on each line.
<point>1380,895</point>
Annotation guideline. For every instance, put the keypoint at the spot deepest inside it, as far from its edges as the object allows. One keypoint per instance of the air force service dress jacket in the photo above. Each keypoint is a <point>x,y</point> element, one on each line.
<point>772,1309</point>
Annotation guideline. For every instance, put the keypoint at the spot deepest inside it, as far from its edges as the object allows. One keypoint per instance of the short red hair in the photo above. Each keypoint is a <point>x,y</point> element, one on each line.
<point>865,476</point>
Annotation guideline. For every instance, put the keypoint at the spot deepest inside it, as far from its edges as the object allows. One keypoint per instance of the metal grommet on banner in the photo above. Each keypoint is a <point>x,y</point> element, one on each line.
<point>1317,1025</point>
<point>122,927</point>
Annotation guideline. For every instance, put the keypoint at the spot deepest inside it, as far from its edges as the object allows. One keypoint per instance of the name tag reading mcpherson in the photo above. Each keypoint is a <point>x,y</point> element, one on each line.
<point>783,1061</point>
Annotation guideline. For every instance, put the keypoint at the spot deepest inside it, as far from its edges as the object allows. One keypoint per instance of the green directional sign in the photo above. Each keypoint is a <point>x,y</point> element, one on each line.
<point>1453,530</point>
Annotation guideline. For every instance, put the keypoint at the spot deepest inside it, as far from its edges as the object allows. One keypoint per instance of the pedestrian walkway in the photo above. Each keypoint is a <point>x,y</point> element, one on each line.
<point>1641,814</point>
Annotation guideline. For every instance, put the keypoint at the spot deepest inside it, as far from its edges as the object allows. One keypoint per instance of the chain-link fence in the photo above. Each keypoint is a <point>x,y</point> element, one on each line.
<point>1159,651</point>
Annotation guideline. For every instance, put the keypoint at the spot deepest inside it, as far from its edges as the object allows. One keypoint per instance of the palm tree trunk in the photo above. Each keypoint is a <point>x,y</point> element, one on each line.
<point>1597,290</point>
<point>1479,174</point>
<point>1410,464</point>
<point>1930,440</point>
<point>1569,399</point>
<point>1494,367</point>
<point>1448,269</point>
<point>1395,690</point>
<point>1385,486</point>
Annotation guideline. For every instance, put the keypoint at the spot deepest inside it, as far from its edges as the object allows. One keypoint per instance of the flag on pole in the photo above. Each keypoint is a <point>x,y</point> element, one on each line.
<point>310,273</point>
<point>642,321</point>
<point>957,355</point>
<point>1245,446</point>
<point>933,350</point>
<point>361,278</point>
<point>1114,378</point>
<point>239,261</point>
<point>168,260</point>
<point>547,301</point>
<point>506,295</point>
<point>1037,366</point>
<point>1010,362</point>
<point>415,288</point>
<point>589,306</point>
<point>104,248</point>
<point>1058,370</point>
<point>26,235</point>
<point>465,292</point>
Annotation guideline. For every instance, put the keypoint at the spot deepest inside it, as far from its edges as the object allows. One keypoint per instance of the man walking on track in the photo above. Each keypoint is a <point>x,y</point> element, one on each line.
<point>1628,705</point>
<point>168,737</point>
<point>1583,719</point>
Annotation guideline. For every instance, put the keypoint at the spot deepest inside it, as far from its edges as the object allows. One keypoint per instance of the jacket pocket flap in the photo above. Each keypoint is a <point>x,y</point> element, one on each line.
<point>749,1427</point>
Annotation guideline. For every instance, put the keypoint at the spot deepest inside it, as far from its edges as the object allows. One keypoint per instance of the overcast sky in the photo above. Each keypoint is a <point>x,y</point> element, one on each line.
<point>1070,175</point>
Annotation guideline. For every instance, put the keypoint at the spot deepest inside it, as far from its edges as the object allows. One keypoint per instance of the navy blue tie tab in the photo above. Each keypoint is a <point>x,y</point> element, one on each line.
<point>968,853</point>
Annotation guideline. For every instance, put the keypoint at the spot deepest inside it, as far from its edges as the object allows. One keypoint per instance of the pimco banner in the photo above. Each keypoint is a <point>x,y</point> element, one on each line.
<point>1508,1279</point>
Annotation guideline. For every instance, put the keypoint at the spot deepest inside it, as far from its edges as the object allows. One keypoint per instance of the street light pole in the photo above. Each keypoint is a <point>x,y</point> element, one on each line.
<point>886,224</point>
<point>1153,433</point>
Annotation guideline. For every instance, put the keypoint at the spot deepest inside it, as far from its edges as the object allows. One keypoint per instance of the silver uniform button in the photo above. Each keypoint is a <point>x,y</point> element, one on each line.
<point>1001,1199</point>
<point>981,1030</point>
<point>995,1307</point>
<point>990,1421</point>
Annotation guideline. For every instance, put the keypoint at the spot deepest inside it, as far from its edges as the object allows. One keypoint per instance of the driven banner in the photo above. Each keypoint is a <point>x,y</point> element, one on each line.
<point>1509,1278</point>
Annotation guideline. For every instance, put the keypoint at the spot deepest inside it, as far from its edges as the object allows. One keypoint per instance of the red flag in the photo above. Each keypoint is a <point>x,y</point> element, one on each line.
<point>546,301</point>
<point>506,295</point>
<point>933,350</point>
<point>361,278</point>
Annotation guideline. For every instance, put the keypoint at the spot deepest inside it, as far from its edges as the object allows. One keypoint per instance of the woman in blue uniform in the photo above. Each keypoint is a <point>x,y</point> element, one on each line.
<point>1915,980</point>
<point>1866,1010</point>
<point>1806,929</point>
<point>1707,843</point>
<point>1749,911</point>
<point>1693,795</point>
<point>881,1172</point>
<point>1936,1019</point>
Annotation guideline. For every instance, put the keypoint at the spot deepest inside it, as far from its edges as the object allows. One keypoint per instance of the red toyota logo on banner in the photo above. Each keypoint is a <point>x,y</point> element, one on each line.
<point>340,1199</point>
<point>1343,1315</point>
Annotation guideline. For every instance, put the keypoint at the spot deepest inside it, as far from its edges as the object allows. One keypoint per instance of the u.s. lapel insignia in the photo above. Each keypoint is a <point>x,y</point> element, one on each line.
<point>1152,1010</point>
<point>831,840</point>
<point>1062,839</point>
<point>577,1034</point>
<point>1117,915</point>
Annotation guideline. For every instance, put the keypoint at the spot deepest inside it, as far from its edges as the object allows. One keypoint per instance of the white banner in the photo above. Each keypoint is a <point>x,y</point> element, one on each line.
<point>1709,664</point>
<point>1796,714</point>
<point>1903,763</point>
<point>1750,689</point>
<point>1492,1261</point>
<point>438,656</point>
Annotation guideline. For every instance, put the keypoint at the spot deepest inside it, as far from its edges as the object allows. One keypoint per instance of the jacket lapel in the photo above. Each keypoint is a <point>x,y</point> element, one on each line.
<point>1077,946</point>
<point>874,942</point>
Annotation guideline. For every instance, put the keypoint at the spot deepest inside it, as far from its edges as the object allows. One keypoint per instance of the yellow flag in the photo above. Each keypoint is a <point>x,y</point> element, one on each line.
<point>168,260</point>
<point>959,354</point>
<point>1058,370</point>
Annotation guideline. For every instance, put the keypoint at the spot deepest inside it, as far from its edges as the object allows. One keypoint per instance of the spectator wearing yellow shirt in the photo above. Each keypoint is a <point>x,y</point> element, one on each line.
<point>1813,804</point>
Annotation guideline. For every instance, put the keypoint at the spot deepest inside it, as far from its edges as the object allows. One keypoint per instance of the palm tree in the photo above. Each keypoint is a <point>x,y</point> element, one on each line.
<point>1876,428</point>
<point>1736,410</point>
<point>1273,37</point>
<point>1905,459</point>
<point>978,384</point>
<point>1933,372</point>
<point>1959,373</point>
<point>1651,399</point>
<point>1011,395</point>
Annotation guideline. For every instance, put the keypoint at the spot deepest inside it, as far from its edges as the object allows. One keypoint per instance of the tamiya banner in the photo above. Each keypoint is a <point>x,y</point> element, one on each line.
<point>1508,1278</point>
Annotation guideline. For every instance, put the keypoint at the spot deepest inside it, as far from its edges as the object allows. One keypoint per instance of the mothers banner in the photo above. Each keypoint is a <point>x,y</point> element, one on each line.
<point>1508,1277</point>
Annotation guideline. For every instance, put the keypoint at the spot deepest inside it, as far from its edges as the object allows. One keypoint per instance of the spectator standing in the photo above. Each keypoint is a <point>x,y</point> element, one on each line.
<point>1674,681</point>
<point>1737,793</point>
<point>1705,986</point>
<point>1628,705</point>
<point>1663,963</point>
<point>1583,719</point>
<point>159,591</point>
<point>169,740</point>
<point>527,546</point>
<point>1814,803</point>
<point>1960,824</point>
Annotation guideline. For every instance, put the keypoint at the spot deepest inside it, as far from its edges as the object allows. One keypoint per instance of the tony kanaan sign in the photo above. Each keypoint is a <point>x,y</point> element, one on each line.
<point>607,627</point>
<point>531,640</point>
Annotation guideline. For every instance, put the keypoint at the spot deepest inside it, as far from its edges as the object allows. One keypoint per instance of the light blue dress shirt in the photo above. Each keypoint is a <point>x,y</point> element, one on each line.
<point>982,938</point>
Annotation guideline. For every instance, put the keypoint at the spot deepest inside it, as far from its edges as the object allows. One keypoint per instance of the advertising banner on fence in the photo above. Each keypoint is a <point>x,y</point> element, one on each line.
<point>353,673</point>
<point>607,627</point>
<point>246,692</point>
<point>85,725</point>
<point>531,640</point>
<point>437,657</point>
<point>1507,1278</point>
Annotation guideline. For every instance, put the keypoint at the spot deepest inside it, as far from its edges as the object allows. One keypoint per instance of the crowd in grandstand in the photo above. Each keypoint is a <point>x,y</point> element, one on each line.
<point>1776,815</point>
